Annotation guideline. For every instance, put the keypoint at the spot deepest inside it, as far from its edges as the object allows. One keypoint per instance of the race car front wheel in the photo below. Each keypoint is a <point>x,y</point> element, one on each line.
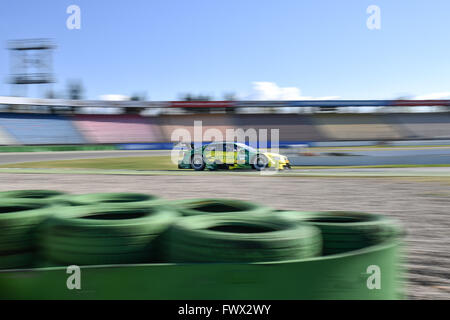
<point>197,162</point>
<point>260,162</point>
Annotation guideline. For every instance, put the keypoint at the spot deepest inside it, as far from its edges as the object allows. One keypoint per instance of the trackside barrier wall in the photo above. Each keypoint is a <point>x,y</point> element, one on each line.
<point>40,128</point>
<point>170,145</point>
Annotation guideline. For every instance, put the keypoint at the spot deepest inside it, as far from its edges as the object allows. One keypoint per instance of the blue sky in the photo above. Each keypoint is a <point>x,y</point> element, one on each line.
<point>315,48</point>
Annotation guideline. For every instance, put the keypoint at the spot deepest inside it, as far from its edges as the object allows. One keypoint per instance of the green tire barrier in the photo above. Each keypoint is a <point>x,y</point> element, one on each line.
<point>191,207</point>
<point>346,231</point>
<point>30,194</point>
<point>19,221</point>
<point>113,197</point>
<point>18,213</point>
<point>227,249</point>
<point>237,238</point>
<point>105,233</point>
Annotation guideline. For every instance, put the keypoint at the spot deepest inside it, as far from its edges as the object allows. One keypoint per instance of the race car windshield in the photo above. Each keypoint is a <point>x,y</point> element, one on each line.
<point>246,147</point>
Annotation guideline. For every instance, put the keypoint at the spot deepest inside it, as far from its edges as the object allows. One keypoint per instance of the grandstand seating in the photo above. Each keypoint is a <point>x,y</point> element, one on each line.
<point>218,123</point>
<point>355,127</point>
<point>39,128</point>
<point>5,138</point>
<point>30,128</point>
<point>117,128</point>
<point>292,127</point>
<point>422,125</point>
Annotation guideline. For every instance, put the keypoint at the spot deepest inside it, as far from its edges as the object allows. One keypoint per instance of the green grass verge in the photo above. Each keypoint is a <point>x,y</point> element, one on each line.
<point>129,163</point>
<point>56,148</point>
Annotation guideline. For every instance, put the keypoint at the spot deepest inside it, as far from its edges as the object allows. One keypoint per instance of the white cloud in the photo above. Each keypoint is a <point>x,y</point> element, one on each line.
<point>106,110</point>
<point>114,97</point>
<point>264,90</point>
<point>433,96</point>
<point>271,91</point>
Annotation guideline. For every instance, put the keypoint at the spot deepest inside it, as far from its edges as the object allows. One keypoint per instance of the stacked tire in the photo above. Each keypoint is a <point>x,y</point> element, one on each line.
<point>346,231</point>
<point>97,198</point>
<point>38,195</point>
<point>240,238</point>
<point>19,223</point>
<point>105,233</point>
<point>116,228</point>
<point>192,207</point>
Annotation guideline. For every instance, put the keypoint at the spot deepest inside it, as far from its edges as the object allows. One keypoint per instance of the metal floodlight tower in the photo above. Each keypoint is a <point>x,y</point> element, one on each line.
<point>31,62</point>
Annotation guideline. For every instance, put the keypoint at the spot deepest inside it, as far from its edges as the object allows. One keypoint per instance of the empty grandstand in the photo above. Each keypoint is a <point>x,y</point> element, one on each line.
<point>32,128</point>
<point>40,129</point>
<point>355,127</point>
<point>117,128</point>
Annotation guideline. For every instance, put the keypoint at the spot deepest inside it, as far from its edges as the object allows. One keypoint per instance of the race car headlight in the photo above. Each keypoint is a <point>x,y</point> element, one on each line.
<point>277,158</point>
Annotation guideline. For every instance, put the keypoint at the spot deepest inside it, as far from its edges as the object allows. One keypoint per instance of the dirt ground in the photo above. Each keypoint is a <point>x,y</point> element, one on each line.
<point>422,207</point>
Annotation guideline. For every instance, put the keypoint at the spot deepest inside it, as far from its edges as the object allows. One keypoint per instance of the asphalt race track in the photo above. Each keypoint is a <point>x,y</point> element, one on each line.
<point>375,156</point>
<point>327,156</point>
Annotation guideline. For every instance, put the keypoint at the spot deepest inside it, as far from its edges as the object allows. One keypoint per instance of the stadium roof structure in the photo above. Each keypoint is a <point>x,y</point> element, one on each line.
<point>22,101</point>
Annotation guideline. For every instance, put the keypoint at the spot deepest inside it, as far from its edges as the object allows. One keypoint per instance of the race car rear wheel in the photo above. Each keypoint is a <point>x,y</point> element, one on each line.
<point>197,162</point>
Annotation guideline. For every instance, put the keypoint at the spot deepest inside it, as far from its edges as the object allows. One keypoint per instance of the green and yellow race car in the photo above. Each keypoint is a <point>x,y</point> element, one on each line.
<point>230,155</point>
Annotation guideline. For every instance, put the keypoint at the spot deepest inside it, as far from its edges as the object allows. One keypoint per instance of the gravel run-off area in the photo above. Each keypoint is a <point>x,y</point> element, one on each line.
<point>422,206</point>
